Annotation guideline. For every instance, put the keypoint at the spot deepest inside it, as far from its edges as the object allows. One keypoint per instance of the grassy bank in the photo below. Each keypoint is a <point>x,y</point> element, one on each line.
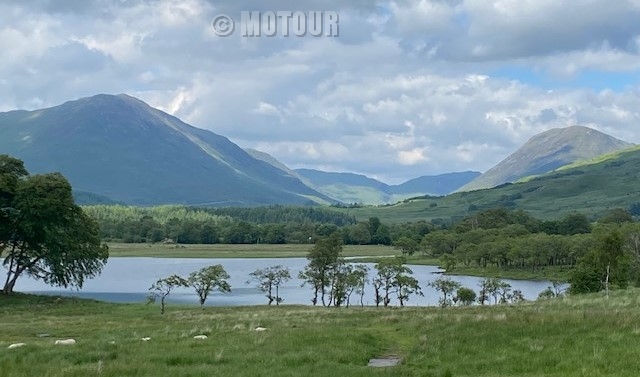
<point>236,251</point>
<point>584,336</point>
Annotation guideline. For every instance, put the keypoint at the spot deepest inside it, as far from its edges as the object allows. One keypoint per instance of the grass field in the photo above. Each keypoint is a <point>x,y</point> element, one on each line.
<point>237,251</point>
<point>580,336</point>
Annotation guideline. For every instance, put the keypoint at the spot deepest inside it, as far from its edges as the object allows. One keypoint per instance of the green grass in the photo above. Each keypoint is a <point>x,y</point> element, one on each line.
<point>236,251</point>
<point>591,188</point>
<point>579,336</point>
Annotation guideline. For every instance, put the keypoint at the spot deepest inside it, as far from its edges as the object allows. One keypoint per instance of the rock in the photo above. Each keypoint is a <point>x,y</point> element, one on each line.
<point>384,362</point>
<point>65,342</point>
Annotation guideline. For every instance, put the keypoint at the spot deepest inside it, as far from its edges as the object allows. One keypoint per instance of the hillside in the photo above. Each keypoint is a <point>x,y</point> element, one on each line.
<point>548,151</point>
<point>591,187</point>
<point>118,147</point>
<point>356,188</point>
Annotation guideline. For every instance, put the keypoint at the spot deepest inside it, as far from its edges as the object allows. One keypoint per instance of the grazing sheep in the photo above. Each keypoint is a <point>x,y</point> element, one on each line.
<point>261,329</point>
<point>146,339</point>
<point>16,345</point>
<point>65,342</point>
<point>200,337</point>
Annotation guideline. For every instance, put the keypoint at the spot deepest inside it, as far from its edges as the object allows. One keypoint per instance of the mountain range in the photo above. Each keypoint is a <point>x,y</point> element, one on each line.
<point>355,188</point>
<point>119,149</point>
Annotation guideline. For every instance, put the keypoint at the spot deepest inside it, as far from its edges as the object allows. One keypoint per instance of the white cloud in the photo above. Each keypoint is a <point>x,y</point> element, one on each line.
<point>410,87</point>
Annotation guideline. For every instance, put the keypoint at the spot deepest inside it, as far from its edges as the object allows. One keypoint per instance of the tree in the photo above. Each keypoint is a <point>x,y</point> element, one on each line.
<point>616,216</point>
<point>605,264</point>
<point>323,257</point>
<point>394,277</point>
<point>465,296</point>
<point>163,287</point>
<point>446,286</point>
<point>407,286</point>
<point>208,279</point>
<point>357,281</point>
<point>44,233</point>
<point>270,279</point>
<point>407,245</point>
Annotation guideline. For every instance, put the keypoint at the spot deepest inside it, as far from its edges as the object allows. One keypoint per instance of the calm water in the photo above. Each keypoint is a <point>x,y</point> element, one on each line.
<point>128,279</point>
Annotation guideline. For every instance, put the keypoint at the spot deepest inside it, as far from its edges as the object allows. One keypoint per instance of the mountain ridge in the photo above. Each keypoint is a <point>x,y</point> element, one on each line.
<point>546,152</point>
<point>118,147</point>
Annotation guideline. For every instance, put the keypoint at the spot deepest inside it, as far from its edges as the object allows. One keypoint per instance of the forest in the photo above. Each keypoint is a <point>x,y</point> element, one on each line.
<point>499,238</point>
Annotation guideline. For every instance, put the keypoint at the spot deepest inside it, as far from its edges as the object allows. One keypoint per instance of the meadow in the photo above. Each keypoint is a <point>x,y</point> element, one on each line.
<point>577,336</point>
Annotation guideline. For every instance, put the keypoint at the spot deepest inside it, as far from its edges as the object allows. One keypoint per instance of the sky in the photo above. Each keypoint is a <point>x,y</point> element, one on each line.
<point>406,88</point>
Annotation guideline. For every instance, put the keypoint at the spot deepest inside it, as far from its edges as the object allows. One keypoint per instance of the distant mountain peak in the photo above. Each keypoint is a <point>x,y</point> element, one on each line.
<point>546,152</point>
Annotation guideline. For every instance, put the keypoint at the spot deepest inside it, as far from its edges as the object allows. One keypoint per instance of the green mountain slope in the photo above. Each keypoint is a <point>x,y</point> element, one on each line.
<point>590,187</point>
<point>356,188</point>
<point>120,148</point>
<point>548,151</point>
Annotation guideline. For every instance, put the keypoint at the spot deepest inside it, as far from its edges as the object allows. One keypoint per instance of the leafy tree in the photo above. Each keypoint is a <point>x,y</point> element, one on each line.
<point>447,287</point>
<point>465,296</point>
<point>407,245</point>
<point>605,264</point>
<point>575,223</point>
<point>547,294</point>
<point>270,279</point>
<point>208,279</point>
<point>163,287</point>
<point>357,281</point>
<point>616,216</point>
<point>394,277</point>
<point>407,286</point>
<point>323,258</point>
<point>44,234</point>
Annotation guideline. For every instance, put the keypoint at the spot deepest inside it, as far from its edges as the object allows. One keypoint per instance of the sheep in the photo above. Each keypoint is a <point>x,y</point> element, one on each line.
<point>146,339</point>
<point>16,345</point>
<point>200,337</point>
<point>261,328</point>
<point>65,342</point>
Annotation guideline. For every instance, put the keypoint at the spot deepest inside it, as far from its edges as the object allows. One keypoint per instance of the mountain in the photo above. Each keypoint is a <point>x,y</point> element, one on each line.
<point>120,148</point>
<point>438,185</point>
<point>591,187</point>
<point>347,187</point>
<point>356,188</point>
<point>548,151</point>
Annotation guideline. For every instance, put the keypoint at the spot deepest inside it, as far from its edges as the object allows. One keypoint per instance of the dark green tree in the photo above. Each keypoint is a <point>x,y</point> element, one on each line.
<point>45,234</point>
<point>323,258</point>
<point>465,296</point>
<point>408,246</point>
<point>208,279</point>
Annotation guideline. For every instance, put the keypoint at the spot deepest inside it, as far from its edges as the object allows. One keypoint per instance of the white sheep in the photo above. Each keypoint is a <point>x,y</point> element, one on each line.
<point>16,345</point>
<point>200,337</point>
<point>261,328</point>
<point>146,339</point>
<point>65,342</point>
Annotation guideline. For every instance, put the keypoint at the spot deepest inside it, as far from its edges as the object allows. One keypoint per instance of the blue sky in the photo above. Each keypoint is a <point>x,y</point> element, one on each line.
<point>409,88</point>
